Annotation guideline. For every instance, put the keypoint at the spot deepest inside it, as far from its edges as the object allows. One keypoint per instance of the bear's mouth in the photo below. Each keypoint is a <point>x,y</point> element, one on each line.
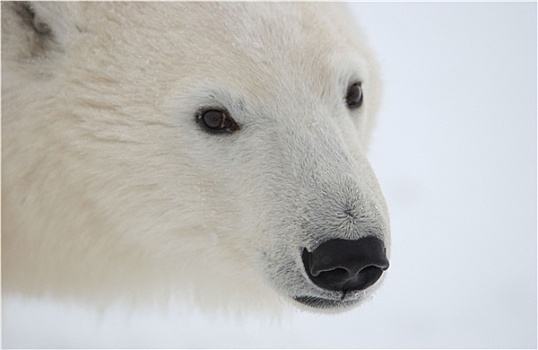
<point>323,303</point>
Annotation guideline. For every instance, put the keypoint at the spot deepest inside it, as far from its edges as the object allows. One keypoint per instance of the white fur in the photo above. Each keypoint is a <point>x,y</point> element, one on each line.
<point>110,189</point>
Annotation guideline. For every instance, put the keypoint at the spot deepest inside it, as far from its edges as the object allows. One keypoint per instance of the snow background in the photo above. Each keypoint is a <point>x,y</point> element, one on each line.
<point>454,151</point>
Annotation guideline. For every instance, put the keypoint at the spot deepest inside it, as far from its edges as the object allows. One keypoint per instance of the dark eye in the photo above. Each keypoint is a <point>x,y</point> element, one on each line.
<point>216,121</point>
<point>354,96</point>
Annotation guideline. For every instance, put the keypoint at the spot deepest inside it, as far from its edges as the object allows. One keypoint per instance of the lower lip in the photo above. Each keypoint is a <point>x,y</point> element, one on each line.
<point>321,303</point>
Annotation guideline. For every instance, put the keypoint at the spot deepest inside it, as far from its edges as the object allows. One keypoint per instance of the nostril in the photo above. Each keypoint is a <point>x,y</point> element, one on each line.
<point>368,276</point>
<point>323,263</point>
<point>346,265</point>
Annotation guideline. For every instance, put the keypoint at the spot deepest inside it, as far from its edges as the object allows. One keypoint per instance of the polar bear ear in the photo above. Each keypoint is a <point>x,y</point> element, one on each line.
<point>38,26</point>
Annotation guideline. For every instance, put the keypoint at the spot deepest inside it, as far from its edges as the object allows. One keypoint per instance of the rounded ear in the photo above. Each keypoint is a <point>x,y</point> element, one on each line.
<point>33,28</point>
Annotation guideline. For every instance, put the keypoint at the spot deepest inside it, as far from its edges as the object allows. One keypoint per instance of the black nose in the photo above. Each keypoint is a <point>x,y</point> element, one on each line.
<point>344,265</point>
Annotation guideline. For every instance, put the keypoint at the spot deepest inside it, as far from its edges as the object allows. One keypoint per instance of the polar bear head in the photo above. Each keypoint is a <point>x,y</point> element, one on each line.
<point>207,150</point>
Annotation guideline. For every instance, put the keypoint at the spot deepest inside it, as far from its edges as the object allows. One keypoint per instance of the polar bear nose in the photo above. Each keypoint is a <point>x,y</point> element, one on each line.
<point>344,265</point>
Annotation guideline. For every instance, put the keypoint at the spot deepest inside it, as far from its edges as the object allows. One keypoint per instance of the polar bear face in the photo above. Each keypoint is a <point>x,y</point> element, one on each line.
<point>209,150</point>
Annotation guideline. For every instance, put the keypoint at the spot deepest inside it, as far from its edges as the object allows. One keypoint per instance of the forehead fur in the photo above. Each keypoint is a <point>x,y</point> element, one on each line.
<point>293,54</point>
<point>217,38</point>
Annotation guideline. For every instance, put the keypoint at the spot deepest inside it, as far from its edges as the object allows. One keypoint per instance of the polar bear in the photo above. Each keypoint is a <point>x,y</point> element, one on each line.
<point>207,152</point>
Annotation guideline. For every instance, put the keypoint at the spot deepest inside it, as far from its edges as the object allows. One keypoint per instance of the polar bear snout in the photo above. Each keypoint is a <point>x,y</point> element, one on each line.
<point>346,265</point>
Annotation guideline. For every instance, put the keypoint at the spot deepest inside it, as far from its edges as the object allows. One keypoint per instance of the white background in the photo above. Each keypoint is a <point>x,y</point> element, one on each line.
<point>455,152</point>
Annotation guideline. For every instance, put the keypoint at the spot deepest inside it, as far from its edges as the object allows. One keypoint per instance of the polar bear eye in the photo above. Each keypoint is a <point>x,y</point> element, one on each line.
<point>216,121</point>
<point>354,96</point>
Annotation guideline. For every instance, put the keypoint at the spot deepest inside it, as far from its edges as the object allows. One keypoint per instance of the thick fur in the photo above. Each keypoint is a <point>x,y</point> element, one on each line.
<point>112,191</point>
